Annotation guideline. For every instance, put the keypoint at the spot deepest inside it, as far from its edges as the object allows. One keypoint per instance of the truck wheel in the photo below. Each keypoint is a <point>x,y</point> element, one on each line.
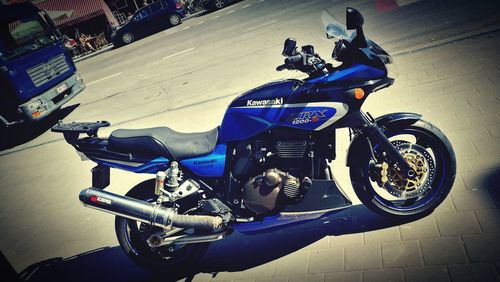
<point>127,38</point>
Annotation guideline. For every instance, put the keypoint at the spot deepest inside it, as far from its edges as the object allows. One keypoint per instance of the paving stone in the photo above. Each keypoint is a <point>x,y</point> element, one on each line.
<point>202,277</point>
<point>444,250</point>
<point>426,273</point>
<point>226,276</point>
<point>420,229</point>
<point>262,271</point>
<point>322,243</point>
<point>401,254</point>
<point>489,220</point>
<point>481,272</point>
<point>472,200</point>
<point>484,163</point>
<point>327,260</point>
<point>292,264</point>
<point>475,180</point>
<point>385,275</point>
<point>457,223</point>
<point>488,146</point>
<point>363,257</point>
<point>483,248</point>
<point>307,278</point>
<point>274,279</point>
<point>471,134</point>
<point>447,206</point>
<point>494,130</point>
<point>356,239</point>
<point>348,276</point>
<point>383,235</point>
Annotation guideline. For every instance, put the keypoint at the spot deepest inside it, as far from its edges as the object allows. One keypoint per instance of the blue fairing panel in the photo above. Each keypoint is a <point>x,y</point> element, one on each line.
<point>153,166</point>
<point>291,103</point>
<point>211,165</point>
<point>244,122</point>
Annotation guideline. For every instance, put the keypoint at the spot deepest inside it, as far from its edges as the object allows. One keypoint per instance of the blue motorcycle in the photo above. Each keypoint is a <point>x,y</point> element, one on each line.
<point>267,165</point>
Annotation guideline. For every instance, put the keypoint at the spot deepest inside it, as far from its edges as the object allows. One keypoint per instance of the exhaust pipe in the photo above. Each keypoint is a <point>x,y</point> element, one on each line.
<point>142,211</point>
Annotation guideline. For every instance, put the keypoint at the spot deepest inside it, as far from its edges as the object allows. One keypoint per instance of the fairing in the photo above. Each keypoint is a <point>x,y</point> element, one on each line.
<point>313,104</point>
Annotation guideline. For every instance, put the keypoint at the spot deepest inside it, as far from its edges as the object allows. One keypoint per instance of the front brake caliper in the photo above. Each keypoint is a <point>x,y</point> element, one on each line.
<point>383,173</point>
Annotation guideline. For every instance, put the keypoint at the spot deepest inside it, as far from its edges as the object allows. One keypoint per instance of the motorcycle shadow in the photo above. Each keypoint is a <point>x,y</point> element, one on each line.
<point>22,133</point>
<point>237,252</point>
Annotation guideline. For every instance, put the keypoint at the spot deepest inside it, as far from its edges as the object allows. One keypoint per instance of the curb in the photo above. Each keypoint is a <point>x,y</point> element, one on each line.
<point>105,49</point>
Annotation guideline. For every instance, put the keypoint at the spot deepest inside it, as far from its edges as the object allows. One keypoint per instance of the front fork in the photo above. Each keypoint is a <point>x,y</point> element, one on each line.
<point>376,135</point>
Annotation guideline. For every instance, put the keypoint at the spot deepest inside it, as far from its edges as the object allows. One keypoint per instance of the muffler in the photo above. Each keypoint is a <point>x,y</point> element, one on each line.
<point>142,211</point>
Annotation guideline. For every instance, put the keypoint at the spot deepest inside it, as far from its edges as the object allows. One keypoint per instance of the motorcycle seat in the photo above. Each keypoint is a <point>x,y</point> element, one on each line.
<point>163,142</point>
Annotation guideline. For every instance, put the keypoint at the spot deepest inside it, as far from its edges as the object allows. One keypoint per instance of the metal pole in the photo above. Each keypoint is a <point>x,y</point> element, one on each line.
<point>136,7</point>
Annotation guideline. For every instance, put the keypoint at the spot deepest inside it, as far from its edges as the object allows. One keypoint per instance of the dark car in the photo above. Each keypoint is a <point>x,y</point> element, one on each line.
<point>149,19</point>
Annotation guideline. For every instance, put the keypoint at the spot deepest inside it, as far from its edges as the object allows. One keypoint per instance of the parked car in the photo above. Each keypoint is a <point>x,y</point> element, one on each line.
<point>217,4</point>
<point>149,19</point>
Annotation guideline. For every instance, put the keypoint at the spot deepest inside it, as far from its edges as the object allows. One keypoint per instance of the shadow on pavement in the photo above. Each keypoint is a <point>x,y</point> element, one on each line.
<point>237,252</point>
<point>490,181</point>
<point>22,133</point>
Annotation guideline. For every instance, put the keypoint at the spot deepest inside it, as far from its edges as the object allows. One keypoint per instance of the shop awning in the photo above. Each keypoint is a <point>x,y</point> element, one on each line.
<point>81,10</point>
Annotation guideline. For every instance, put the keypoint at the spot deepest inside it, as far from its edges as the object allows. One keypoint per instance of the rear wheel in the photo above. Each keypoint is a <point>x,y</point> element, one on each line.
<point>385,191</point>
<point>174,19</point>
<point>217,4</point>
<point>132,236</point>
<point>127,38</point>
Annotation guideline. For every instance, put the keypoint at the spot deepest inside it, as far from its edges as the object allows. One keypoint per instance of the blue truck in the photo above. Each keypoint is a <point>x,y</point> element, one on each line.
<point>37,74</point>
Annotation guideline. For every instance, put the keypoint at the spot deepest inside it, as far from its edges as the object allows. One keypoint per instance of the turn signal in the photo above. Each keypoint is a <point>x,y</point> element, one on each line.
<point>36,114</point>
<point>359,93</point>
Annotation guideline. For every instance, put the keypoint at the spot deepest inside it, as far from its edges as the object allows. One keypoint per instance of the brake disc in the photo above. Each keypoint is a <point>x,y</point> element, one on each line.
<point>421,162</point>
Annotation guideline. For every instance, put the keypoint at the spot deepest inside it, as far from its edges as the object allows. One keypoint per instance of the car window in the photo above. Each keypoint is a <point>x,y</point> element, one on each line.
<point>156,6</point>
<point>142,13</point>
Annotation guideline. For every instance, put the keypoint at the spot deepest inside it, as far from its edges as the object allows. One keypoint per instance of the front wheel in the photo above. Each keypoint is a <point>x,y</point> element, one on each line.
<point>132,236</point>
<point>174,19</point>
<point>385,191</point>
<point>127,38</point>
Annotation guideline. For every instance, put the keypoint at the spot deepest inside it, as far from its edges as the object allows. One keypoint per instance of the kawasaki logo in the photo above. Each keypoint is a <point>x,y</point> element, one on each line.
<point>277,101</point>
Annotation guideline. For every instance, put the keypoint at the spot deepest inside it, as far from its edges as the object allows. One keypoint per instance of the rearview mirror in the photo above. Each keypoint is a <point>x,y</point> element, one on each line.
<point>289,47</point>
<point>52,25</point>
<point>354,19</point>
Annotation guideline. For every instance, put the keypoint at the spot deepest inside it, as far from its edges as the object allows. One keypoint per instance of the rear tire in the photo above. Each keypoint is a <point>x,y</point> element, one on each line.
<point>133,244</point>
<point>432,190</point>
<point>174,19</point>
<point>217,4</point>
<point>127,38</point>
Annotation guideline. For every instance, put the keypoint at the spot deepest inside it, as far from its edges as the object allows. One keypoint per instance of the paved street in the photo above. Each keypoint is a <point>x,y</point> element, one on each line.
<point>184,77</point>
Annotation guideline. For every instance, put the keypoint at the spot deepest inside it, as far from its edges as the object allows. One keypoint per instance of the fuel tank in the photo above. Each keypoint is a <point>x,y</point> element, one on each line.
<point>287,103</point>
<point>311,104</point>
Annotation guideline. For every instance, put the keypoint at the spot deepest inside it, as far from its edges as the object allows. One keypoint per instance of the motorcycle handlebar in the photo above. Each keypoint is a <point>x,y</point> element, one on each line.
<point>282,67</point>
<point>293,59</point>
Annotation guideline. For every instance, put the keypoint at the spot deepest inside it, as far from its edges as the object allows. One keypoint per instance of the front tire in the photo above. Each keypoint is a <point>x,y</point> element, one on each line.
<point>127,38</point>
<point>174,19</point>
<point>132,237</point>
<point>430,150</point>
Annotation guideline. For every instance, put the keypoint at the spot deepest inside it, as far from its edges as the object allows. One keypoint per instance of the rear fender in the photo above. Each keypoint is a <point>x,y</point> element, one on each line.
<point>359,148</point>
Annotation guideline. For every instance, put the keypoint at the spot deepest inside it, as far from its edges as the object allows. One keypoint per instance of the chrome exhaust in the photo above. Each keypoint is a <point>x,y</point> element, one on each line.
<point>150,213</point>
